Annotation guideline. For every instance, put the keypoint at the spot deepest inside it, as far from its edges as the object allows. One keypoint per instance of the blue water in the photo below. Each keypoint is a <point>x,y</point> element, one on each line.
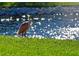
<point>55,22</point>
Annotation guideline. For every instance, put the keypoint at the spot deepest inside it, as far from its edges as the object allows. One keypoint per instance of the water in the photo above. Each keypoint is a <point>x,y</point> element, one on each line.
<point>56,22</point>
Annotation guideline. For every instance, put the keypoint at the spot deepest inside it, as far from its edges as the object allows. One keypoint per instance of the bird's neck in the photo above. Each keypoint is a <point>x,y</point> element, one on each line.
<point>28,20</point>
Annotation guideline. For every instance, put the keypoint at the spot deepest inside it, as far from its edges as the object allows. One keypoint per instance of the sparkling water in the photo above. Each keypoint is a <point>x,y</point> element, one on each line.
<point>55,22</point>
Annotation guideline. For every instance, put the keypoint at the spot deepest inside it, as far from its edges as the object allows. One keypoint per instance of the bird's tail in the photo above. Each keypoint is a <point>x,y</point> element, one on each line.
<point>17,33</point>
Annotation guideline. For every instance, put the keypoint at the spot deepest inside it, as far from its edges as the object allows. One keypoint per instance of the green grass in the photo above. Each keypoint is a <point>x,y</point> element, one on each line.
<point>37,4</point>
<point>12,46</point>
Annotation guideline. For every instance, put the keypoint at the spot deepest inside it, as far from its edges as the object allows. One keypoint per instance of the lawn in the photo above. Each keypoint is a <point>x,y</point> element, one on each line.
<point>18,46</point>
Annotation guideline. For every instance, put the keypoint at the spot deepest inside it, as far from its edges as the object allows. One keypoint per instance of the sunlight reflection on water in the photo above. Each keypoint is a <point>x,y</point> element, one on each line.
<point>62,24</point>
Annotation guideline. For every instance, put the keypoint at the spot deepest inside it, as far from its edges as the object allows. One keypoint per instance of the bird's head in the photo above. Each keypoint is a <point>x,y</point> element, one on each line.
<point>29,17</point>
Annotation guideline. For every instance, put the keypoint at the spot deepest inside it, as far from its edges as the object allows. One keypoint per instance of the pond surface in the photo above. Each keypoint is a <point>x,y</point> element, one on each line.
<point>55,22</point>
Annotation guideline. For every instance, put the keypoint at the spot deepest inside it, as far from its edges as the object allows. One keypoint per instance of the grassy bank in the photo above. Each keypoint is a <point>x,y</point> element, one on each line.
<point>12,46</point>
<point>37,4</point>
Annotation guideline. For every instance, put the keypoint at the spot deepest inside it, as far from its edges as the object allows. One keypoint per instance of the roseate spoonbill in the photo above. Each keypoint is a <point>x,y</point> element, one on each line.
<point>24,27</point>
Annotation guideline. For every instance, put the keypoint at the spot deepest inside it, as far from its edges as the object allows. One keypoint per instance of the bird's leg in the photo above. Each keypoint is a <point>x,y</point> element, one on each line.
<point>24,34</point>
